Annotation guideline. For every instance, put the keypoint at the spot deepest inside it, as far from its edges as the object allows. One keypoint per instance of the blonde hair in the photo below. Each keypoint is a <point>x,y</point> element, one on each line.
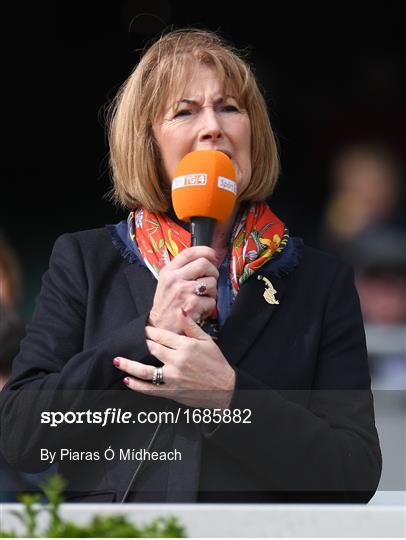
<point>134,153</point>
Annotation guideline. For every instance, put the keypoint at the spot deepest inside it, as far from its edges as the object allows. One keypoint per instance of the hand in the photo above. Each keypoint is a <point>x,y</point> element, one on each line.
<point>177,283</point>
<point>195,371</point>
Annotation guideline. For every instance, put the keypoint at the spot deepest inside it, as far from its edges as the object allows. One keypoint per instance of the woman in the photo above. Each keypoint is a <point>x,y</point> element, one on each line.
<point>139,321</point>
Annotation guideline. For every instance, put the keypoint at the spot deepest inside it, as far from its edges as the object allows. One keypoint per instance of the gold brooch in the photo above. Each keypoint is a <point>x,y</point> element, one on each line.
<point>270,291</point>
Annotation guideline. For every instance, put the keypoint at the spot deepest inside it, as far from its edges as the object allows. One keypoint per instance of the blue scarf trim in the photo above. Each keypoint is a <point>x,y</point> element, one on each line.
<point>128,248</point>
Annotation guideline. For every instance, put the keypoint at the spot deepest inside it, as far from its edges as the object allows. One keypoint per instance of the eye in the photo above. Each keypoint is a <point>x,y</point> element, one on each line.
<point>230,108</point>
<point>183,112</point>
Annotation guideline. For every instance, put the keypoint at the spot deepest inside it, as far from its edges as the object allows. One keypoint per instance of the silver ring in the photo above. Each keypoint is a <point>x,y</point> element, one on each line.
<point>158,377</point>
<point>201,288</point>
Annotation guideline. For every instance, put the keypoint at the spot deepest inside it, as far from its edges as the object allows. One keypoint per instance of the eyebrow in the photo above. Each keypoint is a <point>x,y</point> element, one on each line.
<point>194,102</point>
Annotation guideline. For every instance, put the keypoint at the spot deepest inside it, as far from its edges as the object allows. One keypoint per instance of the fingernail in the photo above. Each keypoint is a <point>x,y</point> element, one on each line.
<point>116,362</point>
<point>126,381</point>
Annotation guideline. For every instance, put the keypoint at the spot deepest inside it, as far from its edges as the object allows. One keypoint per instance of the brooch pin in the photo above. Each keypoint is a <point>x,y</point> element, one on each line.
<point>270,291</point>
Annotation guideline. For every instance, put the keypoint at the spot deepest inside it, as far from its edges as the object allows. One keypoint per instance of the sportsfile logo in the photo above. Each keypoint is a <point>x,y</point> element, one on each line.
<point>189,180</point>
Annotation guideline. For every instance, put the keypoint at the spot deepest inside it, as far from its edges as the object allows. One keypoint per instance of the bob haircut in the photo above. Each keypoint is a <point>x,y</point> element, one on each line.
<point>162,74</point>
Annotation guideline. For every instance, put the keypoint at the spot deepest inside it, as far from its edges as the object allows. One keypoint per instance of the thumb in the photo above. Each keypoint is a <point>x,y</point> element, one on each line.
<point>191,328</point>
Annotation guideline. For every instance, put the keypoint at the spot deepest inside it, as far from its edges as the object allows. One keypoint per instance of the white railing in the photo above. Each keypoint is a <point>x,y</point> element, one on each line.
<point>237,521</point>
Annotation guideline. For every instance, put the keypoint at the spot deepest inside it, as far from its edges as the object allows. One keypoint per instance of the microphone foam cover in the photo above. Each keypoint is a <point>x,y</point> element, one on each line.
<point>204,185</point>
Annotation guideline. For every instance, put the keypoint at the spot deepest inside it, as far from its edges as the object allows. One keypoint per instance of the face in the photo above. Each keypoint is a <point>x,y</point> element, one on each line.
<point>204,119</point>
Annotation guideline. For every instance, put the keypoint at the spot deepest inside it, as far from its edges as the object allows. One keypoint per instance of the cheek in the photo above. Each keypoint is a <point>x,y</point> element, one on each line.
<point>173,146</point>
<point>244,137</point>
<point>245,140</point>
<point>167,155</point>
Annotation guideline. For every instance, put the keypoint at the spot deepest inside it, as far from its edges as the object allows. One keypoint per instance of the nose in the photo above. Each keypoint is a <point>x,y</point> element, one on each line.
<point>211,129</point>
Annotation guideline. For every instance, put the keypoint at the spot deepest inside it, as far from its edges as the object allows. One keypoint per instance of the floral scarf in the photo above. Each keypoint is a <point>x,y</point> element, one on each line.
<point>258,235</point>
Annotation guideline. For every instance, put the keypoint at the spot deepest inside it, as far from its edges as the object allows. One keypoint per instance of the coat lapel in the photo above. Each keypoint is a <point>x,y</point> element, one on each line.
<point>182,477</point>
<point>142,286</point>
<point>249,314</point>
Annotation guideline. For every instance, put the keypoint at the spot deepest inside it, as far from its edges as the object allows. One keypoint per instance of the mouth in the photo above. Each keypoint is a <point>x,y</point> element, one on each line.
<point>226,152</point>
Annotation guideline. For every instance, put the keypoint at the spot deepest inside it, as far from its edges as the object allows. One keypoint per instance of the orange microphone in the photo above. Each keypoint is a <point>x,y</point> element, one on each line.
<point>204,191</point>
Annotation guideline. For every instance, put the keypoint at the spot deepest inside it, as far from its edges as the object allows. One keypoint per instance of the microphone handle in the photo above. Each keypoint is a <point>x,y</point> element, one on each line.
<point>202,230</point>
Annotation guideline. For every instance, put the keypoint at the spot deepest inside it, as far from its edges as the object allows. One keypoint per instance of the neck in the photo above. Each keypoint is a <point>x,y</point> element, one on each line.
<point>221,236</point>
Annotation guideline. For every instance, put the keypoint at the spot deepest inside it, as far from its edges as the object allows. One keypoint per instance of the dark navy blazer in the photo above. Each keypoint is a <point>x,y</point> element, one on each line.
<point>301,368</point>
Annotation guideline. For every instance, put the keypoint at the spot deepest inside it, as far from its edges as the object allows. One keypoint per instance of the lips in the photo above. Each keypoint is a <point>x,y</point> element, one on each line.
<point>226,152</point>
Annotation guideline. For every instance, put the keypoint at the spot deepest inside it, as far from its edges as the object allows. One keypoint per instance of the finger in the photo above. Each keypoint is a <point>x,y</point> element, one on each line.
<point>197,268</point>
<point>190,254</point>
<point>145,388</point>
<point>209,282</point>
<point>164,354</point>
<point>164,337</point>
<point>136,369</point>
<point>190,328</point>
<point>198,307</point>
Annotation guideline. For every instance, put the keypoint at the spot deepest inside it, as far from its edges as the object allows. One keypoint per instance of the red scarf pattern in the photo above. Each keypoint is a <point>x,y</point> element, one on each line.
<point>257,236</point>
